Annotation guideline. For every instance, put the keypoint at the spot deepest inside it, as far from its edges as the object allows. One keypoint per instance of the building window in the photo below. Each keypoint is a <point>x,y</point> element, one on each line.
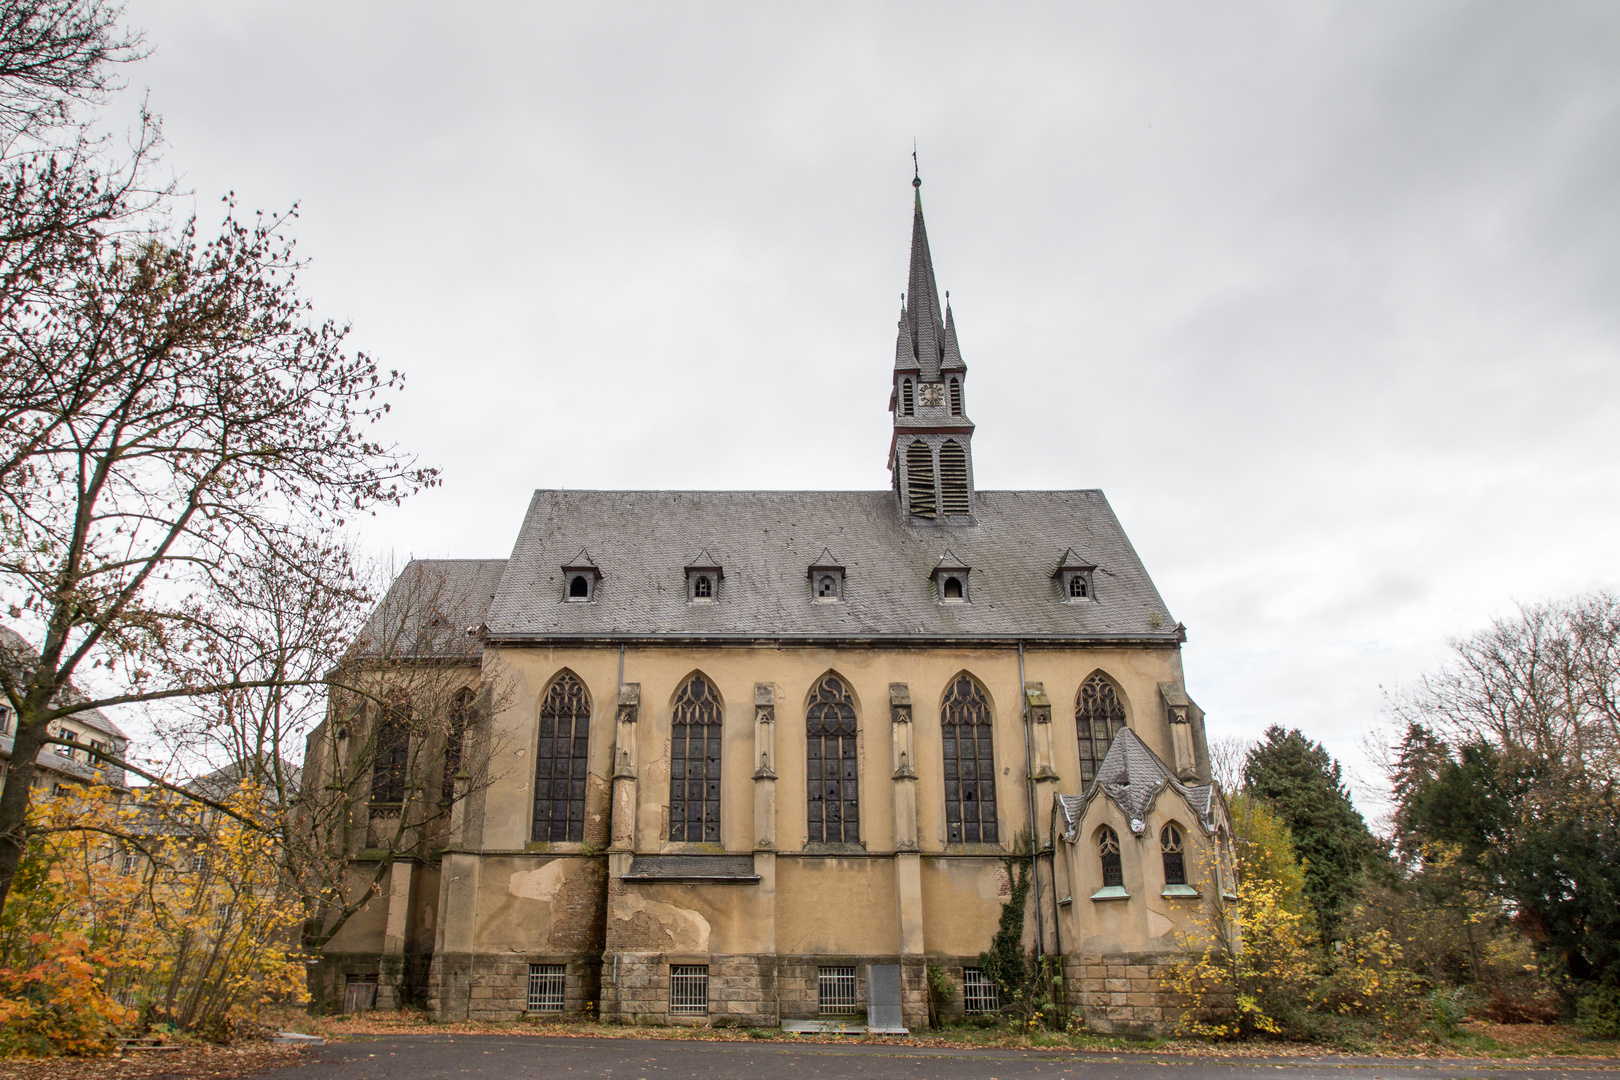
<point>579,587</point>
<point>836,991</point>
<point>560,761</point>
<point>979,992</point>
<point>1077,587</point>
<point>703,587</point>
<point>832,768</point>
<point>827,587</point>
<point>199,862</point>
<point>953,588</point>
<point>1099,716</point>
<point>5,720</point>
<point>131,861</point>
<point>454,738</point>
<point>970,764</point>
<point>689,989</point>
<point>392,759</point>
<point>694,764</point>
<point>359,993</point>
<point>1170,848</point>
<point>920,479</point>
<point>908,398</point>
<point>547,986</point>
<point>956,396</point>
<point>1113,874</point>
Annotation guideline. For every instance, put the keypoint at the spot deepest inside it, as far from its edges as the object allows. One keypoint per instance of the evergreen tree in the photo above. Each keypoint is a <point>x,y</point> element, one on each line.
<point>1304,785</point>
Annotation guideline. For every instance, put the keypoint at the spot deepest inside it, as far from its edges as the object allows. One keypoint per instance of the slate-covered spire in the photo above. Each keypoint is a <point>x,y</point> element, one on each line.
<point>931,454</point>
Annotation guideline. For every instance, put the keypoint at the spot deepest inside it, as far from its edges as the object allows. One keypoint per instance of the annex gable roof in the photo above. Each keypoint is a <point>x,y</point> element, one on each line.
<point>644,540</point>
<point>1133,778</point>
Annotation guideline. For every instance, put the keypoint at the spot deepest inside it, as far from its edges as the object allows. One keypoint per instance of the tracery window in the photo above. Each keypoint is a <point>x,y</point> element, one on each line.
<point>694,763</point>
<point>953,478</point>
<point>832,769</point>
<point>1113,874</point>
<point>460,713</point>
<point>391,756</point>
<point>1099,716</point>
<point>970,764</point>
<point>1170,848</point>
<point>560,761</point>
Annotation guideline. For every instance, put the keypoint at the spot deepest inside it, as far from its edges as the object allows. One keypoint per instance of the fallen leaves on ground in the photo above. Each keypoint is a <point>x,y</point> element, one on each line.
<point>190,1063</point>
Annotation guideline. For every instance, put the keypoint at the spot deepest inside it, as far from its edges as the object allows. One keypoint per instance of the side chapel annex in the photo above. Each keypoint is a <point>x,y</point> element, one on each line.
<point>758,757</point>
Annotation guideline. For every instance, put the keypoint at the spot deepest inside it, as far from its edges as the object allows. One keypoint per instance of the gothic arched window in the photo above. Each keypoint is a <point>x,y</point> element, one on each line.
<point>831,768</point>
<point>461,709</point>
<point>560,760</point>
<point>1113,874</point>
<point>920,478</point>
<point>1099,716</point>
<point>1171,850</point>
<point>970,764</point>
<point>953,478</point>
<point>694,763</point>
<point>391,755</point>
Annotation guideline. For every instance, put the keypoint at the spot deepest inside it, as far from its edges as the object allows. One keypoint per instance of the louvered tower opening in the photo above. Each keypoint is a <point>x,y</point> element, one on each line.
<point>953,478</point>
<point>956,397</point>
<point>908,402</point>
<point>920,479</point>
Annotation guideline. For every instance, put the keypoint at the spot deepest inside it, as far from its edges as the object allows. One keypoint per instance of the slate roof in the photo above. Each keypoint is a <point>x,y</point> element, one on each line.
<point>1133,777</point>
<point>766,540</point>
<point>431,607</point>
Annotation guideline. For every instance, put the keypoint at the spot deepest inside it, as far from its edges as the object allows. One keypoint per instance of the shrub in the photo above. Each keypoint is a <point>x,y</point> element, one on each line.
<point>56,1005</point>
<point>1598,1012</point>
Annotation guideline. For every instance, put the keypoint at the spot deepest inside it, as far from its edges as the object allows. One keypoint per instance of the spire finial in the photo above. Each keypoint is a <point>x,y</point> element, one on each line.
<point>916,173</point>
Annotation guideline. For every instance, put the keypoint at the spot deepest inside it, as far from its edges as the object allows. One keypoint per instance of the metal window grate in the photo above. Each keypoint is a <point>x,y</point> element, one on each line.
<point>689,988</point>
<point>837,991</point>
<point>548,984</point>
<point>978,992</point>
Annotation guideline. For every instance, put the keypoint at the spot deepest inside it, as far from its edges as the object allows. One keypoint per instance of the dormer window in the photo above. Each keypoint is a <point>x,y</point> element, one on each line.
<point>1075,577</point>
<point>826,579</point>
<point>703,579</point>
<point>580,578</point>
<point>951,580</point>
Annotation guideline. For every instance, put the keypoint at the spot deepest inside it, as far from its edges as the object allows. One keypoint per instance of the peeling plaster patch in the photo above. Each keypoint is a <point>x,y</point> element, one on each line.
<point>1158,925</point>
<point>542,884</point>
<point>687,930</point>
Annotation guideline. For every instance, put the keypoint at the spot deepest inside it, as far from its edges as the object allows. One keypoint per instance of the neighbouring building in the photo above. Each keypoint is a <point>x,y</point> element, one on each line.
<point>758,757</point>
<point>89,731</point>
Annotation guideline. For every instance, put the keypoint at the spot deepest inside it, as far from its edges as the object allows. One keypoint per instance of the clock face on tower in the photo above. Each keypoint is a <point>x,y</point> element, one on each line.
<point>931,394</point>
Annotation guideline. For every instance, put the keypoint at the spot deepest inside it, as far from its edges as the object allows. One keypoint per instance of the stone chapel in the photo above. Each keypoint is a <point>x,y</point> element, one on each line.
<point>762,757</point>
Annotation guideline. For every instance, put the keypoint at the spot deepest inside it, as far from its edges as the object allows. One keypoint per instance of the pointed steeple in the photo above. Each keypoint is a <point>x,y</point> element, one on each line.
<point>931,455</point>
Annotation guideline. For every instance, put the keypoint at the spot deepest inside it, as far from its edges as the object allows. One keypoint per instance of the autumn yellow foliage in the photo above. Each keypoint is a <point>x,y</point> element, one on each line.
<point>143,908</point>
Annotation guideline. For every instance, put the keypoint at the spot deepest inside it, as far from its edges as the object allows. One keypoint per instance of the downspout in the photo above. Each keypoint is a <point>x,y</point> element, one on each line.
<point>1029,794</point>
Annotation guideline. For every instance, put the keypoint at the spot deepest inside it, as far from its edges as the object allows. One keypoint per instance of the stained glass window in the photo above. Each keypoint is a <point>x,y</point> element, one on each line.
<point>560,761</point>
<point>970,764</point>
<point>832,768</point>
<point>694,763</point>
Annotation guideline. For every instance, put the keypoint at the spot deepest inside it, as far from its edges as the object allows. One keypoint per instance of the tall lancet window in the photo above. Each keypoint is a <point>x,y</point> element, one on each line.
<point>560,761</point>
<point>953,479</point>
<point>1099,716</point>
<point>970,764</point>
<point>831,767</point>
<point>920,479</point>
<point>908,398</point>
<point>694,763</point>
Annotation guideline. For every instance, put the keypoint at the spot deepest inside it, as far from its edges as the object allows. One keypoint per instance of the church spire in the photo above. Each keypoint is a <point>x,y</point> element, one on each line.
<point>930,455</point>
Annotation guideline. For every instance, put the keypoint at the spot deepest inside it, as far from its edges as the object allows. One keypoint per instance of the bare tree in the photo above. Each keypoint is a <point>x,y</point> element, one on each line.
<point>54,55</point>
<point>1226,757</point>
<point>200,420</point>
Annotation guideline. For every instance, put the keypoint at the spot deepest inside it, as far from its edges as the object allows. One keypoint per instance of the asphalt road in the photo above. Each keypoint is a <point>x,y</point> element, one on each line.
<point>499,1057</point>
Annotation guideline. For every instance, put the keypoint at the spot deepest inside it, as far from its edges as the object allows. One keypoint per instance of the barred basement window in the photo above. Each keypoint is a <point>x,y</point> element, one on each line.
<point>953,478</point>
<point>1099,716</point>
<point>1113,873</point>
<point>920,479</point>
<point>560,760</point>
<point>970,764</point>
<point>832,769</point>
<point>547,986</point>
<point>694,764</point>
<point>836,991</point>
<point>908,400</point>
<point>359,993</point>
<point>1175,863</point>
<point>979,992</point>
<point>392,756</point>
<point>689,989</point>
<point>956,397</point>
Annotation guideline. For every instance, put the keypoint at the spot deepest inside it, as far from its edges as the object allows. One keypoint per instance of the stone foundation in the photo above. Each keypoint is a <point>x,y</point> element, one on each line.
<point>496,986</point>
<point>1126,993</point>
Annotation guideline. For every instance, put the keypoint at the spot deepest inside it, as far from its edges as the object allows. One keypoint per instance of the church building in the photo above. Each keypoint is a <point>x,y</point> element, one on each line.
<point>765,757</point>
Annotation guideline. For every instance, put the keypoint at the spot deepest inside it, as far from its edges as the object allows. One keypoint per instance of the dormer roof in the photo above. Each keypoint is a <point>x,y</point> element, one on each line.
<point>1072,560</point>
<point>582,564</point>
<point>1133,778</point>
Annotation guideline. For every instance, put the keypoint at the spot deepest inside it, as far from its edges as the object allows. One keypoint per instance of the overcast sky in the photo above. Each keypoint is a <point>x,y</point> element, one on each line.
<point>1323,296</point>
